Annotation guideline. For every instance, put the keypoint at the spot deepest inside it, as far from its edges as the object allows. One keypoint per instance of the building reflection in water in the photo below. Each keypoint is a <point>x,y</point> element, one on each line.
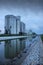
<point>10,49</point>
<point>13,48</point>
<point>22,44</point>
<point>17,46</point>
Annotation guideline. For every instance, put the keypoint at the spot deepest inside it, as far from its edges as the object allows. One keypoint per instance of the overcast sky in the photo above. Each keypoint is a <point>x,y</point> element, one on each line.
<point>31,12</point>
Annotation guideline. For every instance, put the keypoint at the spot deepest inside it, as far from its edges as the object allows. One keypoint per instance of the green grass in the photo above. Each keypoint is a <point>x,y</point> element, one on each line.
<point>11,35</point>
<point>41,37</point>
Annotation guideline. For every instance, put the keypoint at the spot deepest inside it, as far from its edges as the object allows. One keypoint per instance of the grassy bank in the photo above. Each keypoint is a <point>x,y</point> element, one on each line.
<point>8,35</point>
<point>11,35</point>
<point>41,37</point>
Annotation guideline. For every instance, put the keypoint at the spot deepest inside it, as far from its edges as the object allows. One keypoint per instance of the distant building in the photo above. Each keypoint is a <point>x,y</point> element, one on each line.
<point>18,24</point>
<point>12,24</point>
<point>22,27</point>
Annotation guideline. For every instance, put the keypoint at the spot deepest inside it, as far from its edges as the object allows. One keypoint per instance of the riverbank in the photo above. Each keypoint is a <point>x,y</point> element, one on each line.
<point>41,37</point>
<point>10,35</point>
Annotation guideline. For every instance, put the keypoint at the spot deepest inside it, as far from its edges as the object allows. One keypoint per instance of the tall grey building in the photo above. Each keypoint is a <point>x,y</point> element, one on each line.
<point>12,24</point>
<point>18,24</point>
<point>22,27</point>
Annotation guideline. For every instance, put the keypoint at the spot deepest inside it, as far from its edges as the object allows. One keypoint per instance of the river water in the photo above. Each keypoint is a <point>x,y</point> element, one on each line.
<point>10,49</point>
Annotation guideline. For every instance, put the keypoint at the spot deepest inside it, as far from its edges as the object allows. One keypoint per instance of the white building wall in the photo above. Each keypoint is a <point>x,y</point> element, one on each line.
<point>7,22</point>
<point>18,24</point>
<point>13,25</point>
<point>13,22</point>
<point>22,27</point>
<point>10,21</point>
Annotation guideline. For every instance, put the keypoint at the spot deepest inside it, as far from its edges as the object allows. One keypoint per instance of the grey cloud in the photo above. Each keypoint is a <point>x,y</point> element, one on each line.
<point>29,10</point>
<point>22,2</point>
<point>33,5</point>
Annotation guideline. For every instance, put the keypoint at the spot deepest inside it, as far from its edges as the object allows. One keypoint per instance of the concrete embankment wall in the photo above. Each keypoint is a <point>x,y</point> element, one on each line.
<point>35,54</point>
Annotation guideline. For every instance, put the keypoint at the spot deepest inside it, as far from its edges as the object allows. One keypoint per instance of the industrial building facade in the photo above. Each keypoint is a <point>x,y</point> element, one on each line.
<point>17,24</point>
<point>22,27</point>
<point>13,25</point>
<point>10,24</point>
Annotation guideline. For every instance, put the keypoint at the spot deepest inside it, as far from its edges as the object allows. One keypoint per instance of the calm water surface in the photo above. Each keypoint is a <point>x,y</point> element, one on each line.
<point>9,49</point>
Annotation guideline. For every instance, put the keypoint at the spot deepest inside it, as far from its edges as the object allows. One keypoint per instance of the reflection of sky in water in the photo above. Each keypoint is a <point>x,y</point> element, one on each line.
<point>1,51</point>
<point>9,49</point>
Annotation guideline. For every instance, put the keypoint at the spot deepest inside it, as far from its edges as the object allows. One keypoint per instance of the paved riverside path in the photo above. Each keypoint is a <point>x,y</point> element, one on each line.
<point>11,37</point>
<point>36,51</point>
